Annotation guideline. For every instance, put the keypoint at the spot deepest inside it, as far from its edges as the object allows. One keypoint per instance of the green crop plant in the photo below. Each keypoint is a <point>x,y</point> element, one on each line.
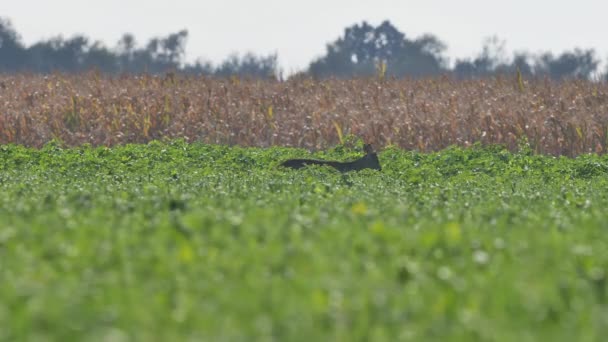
<point>190,241</point>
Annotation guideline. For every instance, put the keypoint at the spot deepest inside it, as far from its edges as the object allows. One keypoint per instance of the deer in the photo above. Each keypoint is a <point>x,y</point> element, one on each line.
<point>369,161</point>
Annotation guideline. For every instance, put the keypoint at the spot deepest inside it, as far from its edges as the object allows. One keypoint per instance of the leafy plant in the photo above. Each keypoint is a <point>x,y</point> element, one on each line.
<point>176,241</point>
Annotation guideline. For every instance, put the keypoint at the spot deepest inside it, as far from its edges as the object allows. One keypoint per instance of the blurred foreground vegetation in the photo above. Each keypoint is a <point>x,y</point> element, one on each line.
<point>177,241</point>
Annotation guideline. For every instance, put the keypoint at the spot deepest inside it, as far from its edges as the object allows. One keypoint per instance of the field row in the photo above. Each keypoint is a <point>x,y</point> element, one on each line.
<point>558,118</point>
<point>176,241</point>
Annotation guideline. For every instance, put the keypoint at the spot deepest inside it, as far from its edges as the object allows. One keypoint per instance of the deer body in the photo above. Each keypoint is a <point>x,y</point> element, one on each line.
<point>369,161</point>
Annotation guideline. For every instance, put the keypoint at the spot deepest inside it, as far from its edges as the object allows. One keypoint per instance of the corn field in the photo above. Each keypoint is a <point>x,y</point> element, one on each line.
<point>557,118</point>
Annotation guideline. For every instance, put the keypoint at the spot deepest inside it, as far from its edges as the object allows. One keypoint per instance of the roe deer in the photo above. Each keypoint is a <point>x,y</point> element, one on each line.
<point>369,161</point>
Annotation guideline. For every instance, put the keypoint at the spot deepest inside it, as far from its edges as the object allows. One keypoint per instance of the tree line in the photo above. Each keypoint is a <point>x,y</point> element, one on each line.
<point>367,50</point>
<point>362,50</point>
<point>79,53</point>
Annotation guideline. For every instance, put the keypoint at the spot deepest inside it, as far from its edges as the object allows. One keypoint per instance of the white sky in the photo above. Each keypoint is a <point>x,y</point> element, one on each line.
<point>299,30</point>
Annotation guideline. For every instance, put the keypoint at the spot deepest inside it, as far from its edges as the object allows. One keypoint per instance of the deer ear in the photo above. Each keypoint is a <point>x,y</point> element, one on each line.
<point>367,148</point>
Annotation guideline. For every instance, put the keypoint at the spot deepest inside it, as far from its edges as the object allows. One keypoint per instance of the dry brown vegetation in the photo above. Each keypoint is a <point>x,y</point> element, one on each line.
<point>560,118</point>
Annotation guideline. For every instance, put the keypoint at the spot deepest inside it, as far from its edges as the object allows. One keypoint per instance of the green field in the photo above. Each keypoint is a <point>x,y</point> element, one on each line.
<point>176,242</point>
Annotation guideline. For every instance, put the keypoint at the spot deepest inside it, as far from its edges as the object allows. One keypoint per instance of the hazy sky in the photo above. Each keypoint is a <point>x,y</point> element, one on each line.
<point>299,30</point>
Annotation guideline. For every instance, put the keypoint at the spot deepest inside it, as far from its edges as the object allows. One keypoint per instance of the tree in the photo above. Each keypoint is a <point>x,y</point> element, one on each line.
<point>174,47</point>
<point>249,65</point>
<point>570,64</point>
<point>491,59</point>
<point>12,52</point>
<point>521,62</point>
<point>99,57</point>
<point>125,49</point>
<point>363,46</point>
<point>58,54</point>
